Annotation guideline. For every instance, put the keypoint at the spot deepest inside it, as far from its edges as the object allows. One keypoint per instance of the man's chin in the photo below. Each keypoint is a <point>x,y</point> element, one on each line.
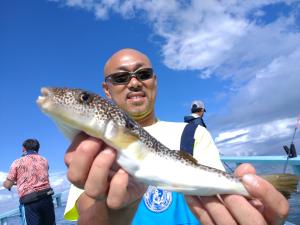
<point>137,115</point>
<point>136,107</point>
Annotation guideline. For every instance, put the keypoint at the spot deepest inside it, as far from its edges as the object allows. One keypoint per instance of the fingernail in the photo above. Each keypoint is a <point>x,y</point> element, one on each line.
<point>108,151</point>
<point>122,171</point>
<point>249,179</point>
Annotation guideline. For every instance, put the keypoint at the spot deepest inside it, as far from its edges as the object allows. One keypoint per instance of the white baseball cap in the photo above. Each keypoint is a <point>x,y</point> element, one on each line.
<point>197,104</point>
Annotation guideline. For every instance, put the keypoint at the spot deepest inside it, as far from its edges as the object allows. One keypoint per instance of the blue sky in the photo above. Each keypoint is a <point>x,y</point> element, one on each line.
<point>240,58</point>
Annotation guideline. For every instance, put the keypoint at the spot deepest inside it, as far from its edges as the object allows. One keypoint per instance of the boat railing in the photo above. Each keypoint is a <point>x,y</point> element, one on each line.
<point>293,162</point>
<point>17,212</point>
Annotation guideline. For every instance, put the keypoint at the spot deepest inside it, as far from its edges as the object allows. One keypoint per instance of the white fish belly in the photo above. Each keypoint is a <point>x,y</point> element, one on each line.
<point>176,176</point>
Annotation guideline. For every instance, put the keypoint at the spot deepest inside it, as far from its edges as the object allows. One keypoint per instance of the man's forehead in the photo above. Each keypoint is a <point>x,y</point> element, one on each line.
<point>126,59</point>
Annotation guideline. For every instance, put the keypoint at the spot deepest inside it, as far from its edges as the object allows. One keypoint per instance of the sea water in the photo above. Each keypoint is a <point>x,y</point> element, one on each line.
<point>294,214</point>
<point>267,168</point>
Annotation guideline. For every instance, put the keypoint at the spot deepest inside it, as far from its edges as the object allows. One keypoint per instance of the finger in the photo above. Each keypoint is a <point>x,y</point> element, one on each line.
<point>245,168</point>
<point>218,212</point>
<point>275,205</point>
<point>257,204</point>
<point>198,210</point>
<point>72,148</point>
<point>117,195</point>
<point>82,160</point>
<point>242,211</point>
<point>97,182</point>
<point>137,189</point>
<point>91,210</point>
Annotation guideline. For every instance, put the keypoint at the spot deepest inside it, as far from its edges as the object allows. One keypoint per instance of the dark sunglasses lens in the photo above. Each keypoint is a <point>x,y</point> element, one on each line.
<point>120,78</point>
<point>144,74</point>
<point>124,77</point>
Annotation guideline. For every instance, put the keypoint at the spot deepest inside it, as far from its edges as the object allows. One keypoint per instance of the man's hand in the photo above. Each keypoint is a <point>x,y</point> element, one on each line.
<point>268,207</point>
<point>92,167</point>
<point>8,184</point>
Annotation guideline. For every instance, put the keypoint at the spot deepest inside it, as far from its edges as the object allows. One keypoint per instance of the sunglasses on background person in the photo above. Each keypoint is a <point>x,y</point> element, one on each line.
<point>125,76</point>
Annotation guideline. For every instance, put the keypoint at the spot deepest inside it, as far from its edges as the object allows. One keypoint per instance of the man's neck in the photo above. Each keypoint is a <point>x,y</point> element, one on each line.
<point>148,120</point>
<point>196,115</point>
<point>29,152</point>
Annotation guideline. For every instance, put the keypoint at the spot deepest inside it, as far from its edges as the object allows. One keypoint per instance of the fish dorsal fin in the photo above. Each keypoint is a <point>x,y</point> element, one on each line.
<point>187,157</point>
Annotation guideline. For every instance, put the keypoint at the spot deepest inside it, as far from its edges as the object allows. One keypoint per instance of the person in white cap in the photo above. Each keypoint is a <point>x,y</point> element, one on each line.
<point>197,110</point>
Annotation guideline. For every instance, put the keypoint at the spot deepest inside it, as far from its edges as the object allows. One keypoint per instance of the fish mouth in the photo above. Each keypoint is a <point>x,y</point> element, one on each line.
<point>42,99</point>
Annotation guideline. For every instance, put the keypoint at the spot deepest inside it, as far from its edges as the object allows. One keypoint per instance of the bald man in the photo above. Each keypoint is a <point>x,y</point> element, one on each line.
<point>106,194</point>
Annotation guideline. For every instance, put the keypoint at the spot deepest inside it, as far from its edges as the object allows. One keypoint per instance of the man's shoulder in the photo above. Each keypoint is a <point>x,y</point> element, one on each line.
<point>189,118</point>
<point>168,133</point>
<point>16,162</point>
<point>198,120</point>
<point>166,125</point>
<point>36,157</point>
<point>42,158</point>
<point>171,124</point>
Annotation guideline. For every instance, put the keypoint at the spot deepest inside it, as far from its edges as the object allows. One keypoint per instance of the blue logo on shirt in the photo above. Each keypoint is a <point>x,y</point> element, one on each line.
<point>157,200</point>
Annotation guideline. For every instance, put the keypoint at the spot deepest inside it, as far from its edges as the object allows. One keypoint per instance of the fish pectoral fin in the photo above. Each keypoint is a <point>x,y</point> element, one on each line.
<point>124,138</point>
<point>67,131</point>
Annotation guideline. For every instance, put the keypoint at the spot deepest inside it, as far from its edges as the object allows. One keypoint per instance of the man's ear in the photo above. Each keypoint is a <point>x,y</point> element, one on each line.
<point>106,90</point>
<point>155,80</point>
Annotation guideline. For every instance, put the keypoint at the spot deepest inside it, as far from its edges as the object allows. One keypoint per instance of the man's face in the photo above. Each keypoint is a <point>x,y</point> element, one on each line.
<point>136,97</point>
<point>201,113</point>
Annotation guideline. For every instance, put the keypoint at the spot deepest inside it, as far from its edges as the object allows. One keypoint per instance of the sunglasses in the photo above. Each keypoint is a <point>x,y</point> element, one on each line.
<point>124,77</point>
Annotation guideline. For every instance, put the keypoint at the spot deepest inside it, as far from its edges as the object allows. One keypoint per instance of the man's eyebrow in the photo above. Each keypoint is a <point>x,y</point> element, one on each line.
<point>137,66</point>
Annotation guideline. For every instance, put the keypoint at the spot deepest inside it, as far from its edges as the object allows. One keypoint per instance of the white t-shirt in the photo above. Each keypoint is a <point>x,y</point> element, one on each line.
<point>169,134</point>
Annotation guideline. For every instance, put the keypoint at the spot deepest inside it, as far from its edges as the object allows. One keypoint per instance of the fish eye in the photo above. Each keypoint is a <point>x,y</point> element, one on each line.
<point>85,97</point>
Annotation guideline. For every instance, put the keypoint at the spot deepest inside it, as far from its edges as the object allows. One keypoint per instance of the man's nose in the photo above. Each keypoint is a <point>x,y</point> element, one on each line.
<point>134,82</point>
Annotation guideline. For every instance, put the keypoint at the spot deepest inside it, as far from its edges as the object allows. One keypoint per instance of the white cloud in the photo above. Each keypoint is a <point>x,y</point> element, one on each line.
<point>214,36</point>
<point>3,176</point>
<point>232,135</point>
<point>246,141</point>
<point>272,93</point>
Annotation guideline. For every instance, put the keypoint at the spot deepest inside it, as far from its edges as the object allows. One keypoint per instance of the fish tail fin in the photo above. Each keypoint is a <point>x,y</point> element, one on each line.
<point>286,184</point>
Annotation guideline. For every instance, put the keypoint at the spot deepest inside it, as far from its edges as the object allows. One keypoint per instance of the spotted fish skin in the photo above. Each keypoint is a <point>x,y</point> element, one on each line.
<point>139,153</point>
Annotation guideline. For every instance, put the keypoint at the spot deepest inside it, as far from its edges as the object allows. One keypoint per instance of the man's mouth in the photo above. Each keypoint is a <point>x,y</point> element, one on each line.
<point>136,98</point>
<point>136,95</point>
